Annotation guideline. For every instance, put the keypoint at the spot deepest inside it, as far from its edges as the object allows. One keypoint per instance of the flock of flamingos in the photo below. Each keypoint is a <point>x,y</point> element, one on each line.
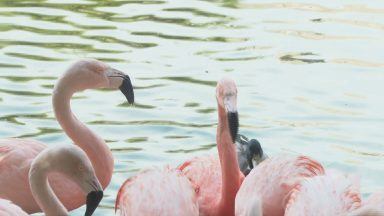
<point>293,185</point>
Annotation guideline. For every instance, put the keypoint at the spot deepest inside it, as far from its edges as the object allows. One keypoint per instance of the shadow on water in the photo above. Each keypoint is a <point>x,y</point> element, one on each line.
<point>13,118</point>
<point>184,79</point>
<point>42,131</point>
<point>151,122</point>
<point>201,148</point>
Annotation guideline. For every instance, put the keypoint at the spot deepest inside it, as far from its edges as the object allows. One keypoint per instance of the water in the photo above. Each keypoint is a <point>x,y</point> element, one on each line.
<point>310,77</point>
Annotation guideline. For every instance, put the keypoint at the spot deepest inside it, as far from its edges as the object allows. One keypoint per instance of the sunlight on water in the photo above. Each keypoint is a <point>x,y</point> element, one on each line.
<point>310,77</point>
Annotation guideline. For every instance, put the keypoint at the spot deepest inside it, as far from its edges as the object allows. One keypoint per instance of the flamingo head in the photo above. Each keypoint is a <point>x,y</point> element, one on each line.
<point>71,161</point>
<point>226,95</point>
<point>79,168</point>
<point>91,74</point>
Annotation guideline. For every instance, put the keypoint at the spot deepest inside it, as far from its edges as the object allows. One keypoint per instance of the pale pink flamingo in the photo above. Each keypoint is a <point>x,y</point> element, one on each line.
<point>68,160</point>
<point>160,192</point>
<point>16,155</point>
<point>269,184</point>
<point>331,194</point>
<point>217,179</point>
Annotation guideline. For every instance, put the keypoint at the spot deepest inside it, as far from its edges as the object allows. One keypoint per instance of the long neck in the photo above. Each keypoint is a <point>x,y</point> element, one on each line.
<point>44,195</point>
<point>95,147</point>
<point>231,176</point>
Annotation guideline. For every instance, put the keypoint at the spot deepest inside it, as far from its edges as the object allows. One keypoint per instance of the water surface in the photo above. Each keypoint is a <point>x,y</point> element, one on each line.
<point>310,77</point>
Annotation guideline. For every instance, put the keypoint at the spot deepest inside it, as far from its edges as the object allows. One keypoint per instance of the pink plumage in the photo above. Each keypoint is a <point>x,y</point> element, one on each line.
<point>205,176</point>
<point>330,194</point>
<point>272,180</point>
<point>217,179</point>
<point>16,154</point>
<point>157,192</point>
<point>7,208</point>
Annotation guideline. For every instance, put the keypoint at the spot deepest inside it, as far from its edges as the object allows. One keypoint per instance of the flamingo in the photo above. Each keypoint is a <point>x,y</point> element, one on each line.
<point>270,182</point>
<point>169,191</point>
<point>68,160</point>
<point>217,179</point>
<point>331,194</point>
<point>16,155</point>
<point>157,192</point>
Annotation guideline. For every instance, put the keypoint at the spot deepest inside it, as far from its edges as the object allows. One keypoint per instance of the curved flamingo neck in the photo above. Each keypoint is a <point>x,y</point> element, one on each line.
<point>231,175</point>
<point>44,194</point>
<point>93,145</point>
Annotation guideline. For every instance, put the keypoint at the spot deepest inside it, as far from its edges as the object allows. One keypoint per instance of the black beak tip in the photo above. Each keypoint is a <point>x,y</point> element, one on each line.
<point>233,121</point>
<point>127,89</point>
<point>93,200</point>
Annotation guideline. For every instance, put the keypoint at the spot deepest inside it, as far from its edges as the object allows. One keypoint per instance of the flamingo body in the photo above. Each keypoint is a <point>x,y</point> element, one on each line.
<point>16,156</point>
<point>157,192</point>
<point>7,208</point>
<point>272,180</point>
<point>205,176</point>
<point>330,194</point>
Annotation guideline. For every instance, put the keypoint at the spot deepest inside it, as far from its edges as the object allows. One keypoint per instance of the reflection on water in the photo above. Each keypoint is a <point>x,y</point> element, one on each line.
<point>310,77</point>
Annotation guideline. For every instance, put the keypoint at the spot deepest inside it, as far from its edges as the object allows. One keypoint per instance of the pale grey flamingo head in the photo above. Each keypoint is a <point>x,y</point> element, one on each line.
<point>71,161</point>
<point>91,74</point>
<point>226,95</point>
<point>249,153</point>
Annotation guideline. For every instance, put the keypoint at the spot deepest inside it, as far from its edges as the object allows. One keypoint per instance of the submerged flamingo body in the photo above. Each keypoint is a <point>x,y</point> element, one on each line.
<point>157,192</point>
<point>330,194</point>
<point>272,180</point>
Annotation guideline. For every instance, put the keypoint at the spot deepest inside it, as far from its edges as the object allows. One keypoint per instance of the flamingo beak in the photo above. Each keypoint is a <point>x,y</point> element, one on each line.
<point>232,115</point>
<point>93,200</point>
<point>127,89</point>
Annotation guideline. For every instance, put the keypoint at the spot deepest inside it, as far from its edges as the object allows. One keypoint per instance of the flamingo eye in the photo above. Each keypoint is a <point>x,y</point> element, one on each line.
<point>81,167</point>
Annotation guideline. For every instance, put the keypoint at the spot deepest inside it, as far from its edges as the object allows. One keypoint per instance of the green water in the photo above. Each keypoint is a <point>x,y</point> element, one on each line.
<point>310,77</point>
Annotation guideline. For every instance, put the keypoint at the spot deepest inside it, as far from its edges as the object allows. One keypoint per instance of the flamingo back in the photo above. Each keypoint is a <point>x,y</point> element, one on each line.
<point>7,208</point>
<point>272,180</point>
<point>16,156</point>
<point>205,176</point>
<point>157,192</point>
<point>331,194</point>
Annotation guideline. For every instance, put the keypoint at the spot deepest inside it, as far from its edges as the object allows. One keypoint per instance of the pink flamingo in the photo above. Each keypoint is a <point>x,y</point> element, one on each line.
<point>169,192</point>
<point>68,160</point>
<point>16,155</point>
<point>330,194</point>
<point>157,192</point>
<point>217,180</point>
<point>268,185</point>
